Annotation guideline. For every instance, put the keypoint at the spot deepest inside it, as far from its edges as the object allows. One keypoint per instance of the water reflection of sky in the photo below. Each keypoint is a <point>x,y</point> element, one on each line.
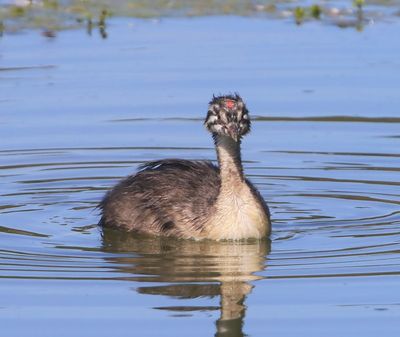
<point>170,69</point>
<point>87,111</point>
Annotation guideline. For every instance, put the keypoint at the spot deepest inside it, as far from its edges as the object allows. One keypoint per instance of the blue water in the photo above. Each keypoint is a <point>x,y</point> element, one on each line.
<point>79,112</point>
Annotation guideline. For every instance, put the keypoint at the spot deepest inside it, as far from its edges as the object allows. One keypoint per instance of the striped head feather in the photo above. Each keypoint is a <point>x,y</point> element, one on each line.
<point>228,116</point>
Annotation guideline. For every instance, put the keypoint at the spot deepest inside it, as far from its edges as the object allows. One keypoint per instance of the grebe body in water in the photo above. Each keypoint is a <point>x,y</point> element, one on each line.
<point>194,199</point>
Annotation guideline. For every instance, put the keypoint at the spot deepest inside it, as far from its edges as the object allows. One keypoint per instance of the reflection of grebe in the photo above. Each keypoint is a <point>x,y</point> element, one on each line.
<point>188,269</point>
<point>190,199</point>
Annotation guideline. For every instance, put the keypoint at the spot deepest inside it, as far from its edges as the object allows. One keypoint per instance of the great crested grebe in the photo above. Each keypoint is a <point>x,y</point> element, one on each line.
<point>194,199</point>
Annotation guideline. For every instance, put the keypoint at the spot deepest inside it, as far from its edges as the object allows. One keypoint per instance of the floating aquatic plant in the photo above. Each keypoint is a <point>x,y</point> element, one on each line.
<point>359,3</point>
<point>299,15</point>
<point>66,14</point>
<point>315,11</point>
<point>16,11</point>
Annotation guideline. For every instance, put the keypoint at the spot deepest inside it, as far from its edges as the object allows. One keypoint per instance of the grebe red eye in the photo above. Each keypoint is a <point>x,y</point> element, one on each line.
<point>229,104</point>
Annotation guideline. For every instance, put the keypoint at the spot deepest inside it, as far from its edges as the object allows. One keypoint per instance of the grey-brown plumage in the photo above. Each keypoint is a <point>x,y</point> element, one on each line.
<point>170,197</point>
<point>194,199</point>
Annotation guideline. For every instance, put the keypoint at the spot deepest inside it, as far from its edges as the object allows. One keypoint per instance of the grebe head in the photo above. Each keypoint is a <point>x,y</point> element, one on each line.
<point>228,116</point>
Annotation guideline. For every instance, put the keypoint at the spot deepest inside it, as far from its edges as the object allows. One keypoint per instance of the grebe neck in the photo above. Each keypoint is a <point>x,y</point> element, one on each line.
<point>229,160</point>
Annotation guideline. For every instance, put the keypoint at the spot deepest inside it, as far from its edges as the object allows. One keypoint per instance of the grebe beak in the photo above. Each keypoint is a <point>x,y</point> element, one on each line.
<point>233,131</point>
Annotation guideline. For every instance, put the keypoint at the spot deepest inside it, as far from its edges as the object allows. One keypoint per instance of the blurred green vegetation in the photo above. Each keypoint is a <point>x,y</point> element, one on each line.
<point>54,15</point>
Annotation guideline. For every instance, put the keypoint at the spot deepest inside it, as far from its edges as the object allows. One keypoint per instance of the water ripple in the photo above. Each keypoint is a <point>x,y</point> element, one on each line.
<point>309,239</point>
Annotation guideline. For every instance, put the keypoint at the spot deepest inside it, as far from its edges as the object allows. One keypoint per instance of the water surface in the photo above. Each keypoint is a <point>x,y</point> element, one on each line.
<point>80,112</point>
